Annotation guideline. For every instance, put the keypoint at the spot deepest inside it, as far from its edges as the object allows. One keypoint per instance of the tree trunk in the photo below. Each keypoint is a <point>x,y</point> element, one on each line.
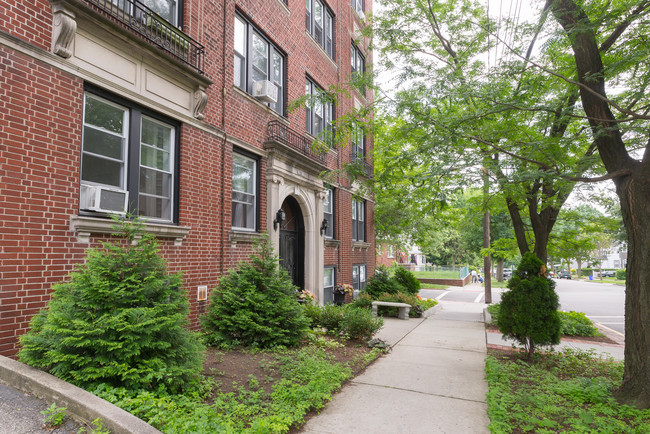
<point>633,194</point>
<point>633,190</point>
<point>500,262</point>
<point>579,262</point>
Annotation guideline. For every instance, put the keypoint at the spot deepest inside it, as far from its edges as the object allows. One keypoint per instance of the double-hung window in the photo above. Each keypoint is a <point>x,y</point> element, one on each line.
<point>319,20</point>
<point>358,65</point>
<point>320,113</point>
<point>359,7</point>
<point>259,65</point>
<point>358,143</point>
<point>244,192</point>
<point>358,220</point>
<point>358,279</point>
<point>170,10</point>
<point>328,212</point>
<point>329,281</point>
<point>129,160</point>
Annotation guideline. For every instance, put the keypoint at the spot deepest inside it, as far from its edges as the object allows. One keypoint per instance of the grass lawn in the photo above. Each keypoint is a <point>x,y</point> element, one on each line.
<point>565,392</point>
<point>432,286</point>
<point>439,274</point>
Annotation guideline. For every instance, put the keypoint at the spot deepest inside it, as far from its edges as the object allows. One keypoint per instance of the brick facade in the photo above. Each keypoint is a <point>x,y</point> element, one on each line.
<point>44,75</point>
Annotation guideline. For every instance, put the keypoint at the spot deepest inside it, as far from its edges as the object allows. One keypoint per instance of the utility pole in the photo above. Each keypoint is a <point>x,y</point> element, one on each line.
<point>487,263</point>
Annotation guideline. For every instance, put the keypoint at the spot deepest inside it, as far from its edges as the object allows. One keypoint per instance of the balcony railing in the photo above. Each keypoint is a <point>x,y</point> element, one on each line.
<point>360,160</point>
<point>152,27</point>
<point>280,133</point>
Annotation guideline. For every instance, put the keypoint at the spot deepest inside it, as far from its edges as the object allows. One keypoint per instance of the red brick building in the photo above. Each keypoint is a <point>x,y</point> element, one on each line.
<point>177,111</point>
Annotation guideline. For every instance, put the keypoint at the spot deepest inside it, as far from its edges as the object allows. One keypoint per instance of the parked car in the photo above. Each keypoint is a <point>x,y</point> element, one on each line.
<point>564,275</point>
<point>507,273</point>
<point>608,273</point>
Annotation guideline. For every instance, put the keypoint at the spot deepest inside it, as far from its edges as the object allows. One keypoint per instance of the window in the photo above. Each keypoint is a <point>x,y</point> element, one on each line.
<point>128,153</point>
<point>358,6</point>
<point>390,251</point>
<point>358,144</point>
<point>358,220</point>
<point>320,113</point>
<point>328,212</point>
<point>358,64</point>
<point>244,192</point>
<point>170,10</point>
<point>320,24</point>
<point>329,281</point>
<point>257,61</point>
<point>358,279</point>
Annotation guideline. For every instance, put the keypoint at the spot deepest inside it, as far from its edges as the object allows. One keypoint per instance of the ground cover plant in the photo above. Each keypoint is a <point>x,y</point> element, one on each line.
<point>558,392</point>
<point>120,320</point>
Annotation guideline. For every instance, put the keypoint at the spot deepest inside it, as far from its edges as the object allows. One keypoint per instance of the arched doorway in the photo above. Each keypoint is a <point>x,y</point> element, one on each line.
<point>292,242</point>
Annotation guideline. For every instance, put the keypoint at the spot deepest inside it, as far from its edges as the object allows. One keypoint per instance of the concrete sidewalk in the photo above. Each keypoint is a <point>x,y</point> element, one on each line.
<point>432,381</point>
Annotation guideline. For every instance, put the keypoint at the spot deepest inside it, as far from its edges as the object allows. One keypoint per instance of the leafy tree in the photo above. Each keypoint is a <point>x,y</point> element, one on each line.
<point>538,119</point>
<point>255,305</point>
<point>528,310</point>
<point>120,320</point>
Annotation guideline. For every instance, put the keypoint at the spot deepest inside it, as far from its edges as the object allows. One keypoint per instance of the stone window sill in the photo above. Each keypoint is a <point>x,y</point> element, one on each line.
<point>245,237</point>
<point>360,245</point>
<point>84,227</point>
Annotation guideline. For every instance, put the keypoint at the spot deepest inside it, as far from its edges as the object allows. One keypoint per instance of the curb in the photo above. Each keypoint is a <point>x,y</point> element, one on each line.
<point>82,405</point>
<point>427,313</point>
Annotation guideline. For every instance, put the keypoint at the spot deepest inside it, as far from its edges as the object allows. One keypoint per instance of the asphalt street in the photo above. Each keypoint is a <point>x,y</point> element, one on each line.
<point>603,303</point>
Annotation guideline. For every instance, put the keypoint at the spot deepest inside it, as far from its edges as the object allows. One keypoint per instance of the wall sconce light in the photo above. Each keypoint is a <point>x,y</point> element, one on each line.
<point>280,216</point>
<point>323,226</point>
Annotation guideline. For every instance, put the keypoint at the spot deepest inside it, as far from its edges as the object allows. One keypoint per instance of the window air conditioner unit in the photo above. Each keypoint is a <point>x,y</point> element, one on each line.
<point>265,91</point>
<point>103,199</point>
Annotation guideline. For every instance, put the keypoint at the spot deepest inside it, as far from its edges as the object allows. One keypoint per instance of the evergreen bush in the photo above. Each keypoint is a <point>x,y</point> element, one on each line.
<point>528,310</point>
<point>407,279</point>
<point>120,320</point>
<point>255,305</point>
<point>620,274</point>
<point>348,320</point>
<point>381,283</point>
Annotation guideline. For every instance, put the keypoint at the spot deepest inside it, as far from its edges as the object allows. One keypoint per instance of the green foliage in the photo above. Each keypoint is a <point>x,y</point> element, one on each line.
<point>566,392</point>
<point>586,271</point>
<point>381,283</point>
<point>427,303</point>
<point>349,320</point>
<point>97,427</point>
<point>528,310</point>
<point>407,280</point>
<point>620,274</point>
<point>120,320</point>
<point>54,416</point>
<point>494,310</point>
<point>577,324</point>
<point>307,378</point>
<point>255,305</point>
<point>418,305</point>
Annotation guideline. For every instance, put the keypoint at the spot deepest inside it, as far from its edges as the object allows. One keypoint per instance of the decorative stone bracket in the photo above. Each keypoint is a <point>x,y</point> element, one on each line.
<point>64,27</point>
<point>201,100</point>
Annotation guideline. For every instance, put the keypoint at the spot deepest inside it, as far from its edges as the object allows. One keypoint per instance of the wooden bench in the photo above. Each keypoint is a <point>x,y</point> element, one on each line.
<point>404,308</point>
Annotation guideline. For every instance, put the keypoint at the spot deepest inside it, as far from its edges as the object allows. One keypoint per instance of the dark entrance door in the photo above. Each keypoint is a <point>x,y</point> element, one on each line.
<point>292,242</point>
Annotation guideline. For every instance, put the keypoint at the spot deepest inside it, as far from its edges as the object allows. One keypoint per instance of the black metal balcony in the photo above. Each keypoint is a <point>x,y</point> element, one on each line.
<point>279,132</point>
<point>360,160</point>
<point>152,27</point>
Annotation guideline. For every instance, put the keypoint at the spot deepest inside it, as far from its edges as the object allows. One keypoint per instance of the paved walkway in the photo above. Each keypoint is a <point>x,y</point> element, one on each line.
<point>431,382</point>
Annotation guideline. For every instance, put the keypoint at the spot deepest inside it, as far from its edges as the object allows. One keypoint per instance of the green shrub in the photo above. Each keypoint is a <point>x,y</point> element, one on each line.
<point>121,320</point>
<point>586,272</point>
<point>620,275</point>
<point>312,313</point>
<point>255,305</point>
<point>364,300</point>
<point>381,283</point>
<point>528,310</point>
<point>427,303</point>
<point>494,309</point>
<point>348,320</point>
<point>577,324</point>
<point>407,280</point>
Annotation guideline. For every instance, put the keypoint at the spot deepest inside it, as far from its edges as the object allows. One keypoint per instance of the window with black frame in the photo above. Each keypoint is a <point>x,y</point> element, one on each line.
<point>129,159</point>
<point>259,66</point>
<point>358,220</point>
<point>358,65</point>
<point>329,282</point>
<point>170,10</point>
<point>328,212</point>
<point>244,192</point>
<point>319,21</point>
<point>319,113</point>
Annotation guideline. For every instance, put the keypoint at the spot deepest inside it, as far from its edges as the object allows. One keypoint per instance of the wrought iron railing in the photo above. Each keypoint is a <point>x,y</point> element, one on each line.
<point>152,27</point>
<point>360,159</point>
<point>316,150</point>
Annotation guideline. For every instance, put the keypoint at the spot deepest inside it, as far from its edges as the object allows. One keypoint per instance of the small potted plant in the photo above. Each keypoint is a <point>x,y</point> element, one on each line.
<point>305,296</point>
<point>340,291</point>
